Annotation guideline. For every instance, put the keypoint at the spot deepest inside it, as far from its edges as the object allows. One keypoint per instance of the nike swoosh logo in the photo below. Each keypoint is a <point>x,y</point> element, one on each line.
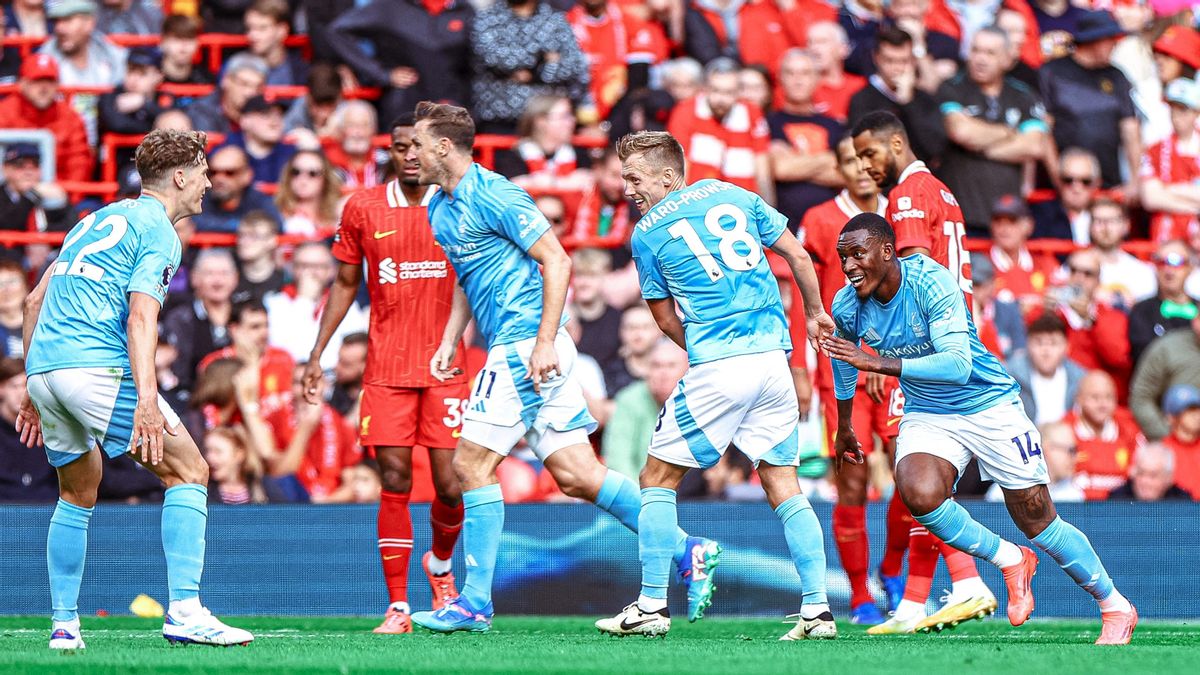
<point>631,626</point>
<point>894,421</point>
<point>381,235</point>
<point>393,557</point>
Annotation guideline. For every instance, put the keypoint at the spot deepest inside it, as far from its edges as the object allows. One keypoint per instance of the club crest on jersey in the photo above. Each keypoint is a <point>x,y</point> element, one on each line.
<point>916,324</point>
<point>948,198</point>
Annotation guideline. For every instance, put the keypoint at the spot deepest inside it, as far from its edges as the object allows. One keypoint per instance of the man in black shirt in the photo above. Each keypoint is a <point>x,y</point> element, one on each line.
<point>995,126</point>
<point>1171,307</point>
<point>258,270</point>
<point>600,323</point>
<point>1089,102</point>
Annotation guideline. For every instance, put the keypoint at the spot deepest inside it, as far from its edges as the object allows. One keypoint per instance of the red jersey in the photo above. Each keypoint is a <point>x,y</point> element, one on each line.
<point>410,283</point>
<point>819,230</point>
<point>607,42</point>
<point>1187,464</point>
<point>1027,275</point>
<point>925,214</point>
<point>802,15</point>
<point>1171,162</point>
<point>275,374</point>
<point>333,447</point>
<point>1102,462</point>
<point>834,101</point>
<point>723,149</point>
<point>761,38</point>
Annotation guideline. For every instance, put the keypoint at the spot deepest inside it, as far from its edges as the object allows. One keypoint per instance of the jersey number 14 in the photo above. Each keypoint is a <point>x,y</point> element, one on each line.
<point>727,238</point>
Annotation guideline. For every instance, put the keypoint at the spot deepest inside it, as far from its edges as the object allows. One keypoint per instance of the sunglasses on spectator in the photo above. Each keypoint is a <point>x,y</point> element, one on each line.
<point>1085,271</point>
<point>1082,180</point>
<point>1172,259</point>
<point>311,173</point>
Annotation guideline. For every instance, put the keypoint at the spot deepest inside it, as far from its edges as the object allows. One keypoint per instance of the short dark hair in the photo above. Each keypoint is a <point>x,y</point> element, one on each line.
<point>874,224</point>
<point>657,147</point>
<point>277,10</point>
<point>893,36</point>
<point>324,83</point>
<point>259,217</point>
<point>1047,322</point>
<point>359,338</point>
<point>404,119</point>
<point>448,121</point>
<point>10,265</point>
<point>181,26</point>
<point>238,314</point>
<point>880,123</point>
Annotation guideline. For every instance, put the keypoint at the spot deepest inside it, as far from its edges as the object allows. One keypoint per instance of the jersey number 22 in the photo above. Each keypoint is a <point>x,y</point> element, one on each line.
<point>79,266</point>
<point>727,238</point>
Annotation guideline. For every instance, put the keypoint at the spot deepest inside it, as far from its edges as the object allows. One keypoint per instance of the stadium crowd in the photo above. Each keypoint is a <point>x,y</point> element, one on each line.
<point>1067,130</point>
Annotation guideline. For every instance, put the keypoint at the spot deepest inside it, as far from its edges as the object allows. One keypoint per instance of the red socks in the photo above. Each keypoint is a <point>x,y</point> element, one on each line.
<point>850,534</point>
<point>961,565</point>
<point>922,562</point>
<point>395,543</point>
<point>899,525</point>
<point>447,522</point>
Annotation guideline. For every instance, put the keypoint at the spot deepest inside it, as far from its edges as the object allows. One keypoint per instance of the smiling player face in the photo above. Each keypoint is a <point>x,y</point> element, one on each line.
<point>865,261</point>
<point>645,184</point>
<point>195,185</point>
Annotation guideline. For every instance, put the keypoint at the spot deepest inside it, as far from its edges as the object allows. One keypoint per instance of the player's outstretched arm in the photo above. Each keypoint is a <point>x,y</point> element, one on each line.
<point>667,318</point>
<point>820,325</point>
<point>460,316</point>
<point>29,422</point>
<point>556,277</point>
<point>148,421</point>
<point>341,297</point>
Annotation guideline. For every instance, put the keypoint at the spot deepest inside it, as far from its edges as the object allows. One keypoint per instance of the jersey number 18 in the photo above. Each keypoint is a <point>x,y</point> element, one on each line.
<point>727,237</point>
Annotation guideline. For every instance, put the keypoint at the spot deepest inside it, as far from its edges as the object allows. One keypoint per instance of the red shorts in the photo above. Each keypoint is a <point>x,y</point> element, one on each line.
<point>404,417</point>
<point>870,418</point>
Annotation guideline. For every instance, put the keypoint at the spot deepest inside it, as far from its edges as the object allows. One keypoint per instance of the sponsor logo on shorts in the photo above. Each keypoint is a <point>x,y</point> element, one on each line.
<point>365,425</point>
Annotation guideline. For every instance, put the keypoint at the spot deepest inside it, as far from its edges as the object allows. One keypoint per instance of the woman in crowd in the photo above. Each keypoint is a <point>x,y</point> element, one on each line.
<point>310,196</point>
<point>234,470</point>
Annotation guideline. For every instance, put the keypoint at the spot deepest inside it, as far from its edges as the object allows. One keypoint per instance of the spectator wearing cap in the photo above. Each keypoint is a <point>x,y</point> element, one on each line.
<point>1170,360</point>
<point>1089,102</point>
<point>1124,278</point>
<point>232,195</point>
<point>85,56</point>
<point>1021,276</point>
<point>1176,55</point>
<point>133,106</point>
<point>1170,169</point>
<point>180,45</point>
<point>1182,407</point>
<point>999,322</point>
<point>1049,379</point>
<point>244,77</point>
<point>1057,22</point>
<point>26,203</point>
<point>996,127</point>
<point>1171,307</point>
<point>135,17</point>
<point>25,477</point>
<point>36,105</point>
<point>1106,435</point>
<point>1152,477</point>
<point>421,50</point>
<point>261,136</point>
<point>1067,216</point>
<point>268,24</point>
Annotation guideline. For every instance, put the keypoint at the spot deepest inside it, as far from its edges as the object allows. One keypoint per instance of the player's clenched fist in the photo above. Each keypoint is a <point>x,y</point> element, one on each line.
<point>313,381</point>
<point>543,364</point>
<point>440,364</point>
<point>846,448</point>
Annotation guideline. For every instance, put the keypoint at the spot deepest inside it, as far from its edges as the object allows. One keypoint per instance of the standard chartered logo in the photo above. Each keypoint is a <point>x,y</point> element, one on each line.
<point>391,272</point>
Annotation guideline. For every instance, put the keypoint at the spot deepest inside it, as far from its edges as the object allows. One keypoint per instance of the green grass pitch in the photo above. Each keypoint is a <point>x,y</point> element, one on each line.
<point>570,644</point>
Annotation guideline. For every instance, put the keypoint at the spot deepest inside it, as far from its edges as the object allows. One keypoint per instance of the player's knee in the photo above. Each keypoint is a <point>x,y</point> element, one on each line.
<point>468,472</point>
<point>396,479</point>
<point>922,498</point>
<point>84,497</point>
<point>194,471</point>
<point>448,490</point>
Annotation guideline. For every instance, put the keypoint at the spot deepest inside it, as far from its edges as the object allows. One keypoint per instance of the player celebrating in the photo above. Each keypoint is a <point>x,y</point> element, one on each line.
<point>878,408</point>
<point>960,403</point>
<point>701,245</point>
<point>928,220</point>
<point>385,230</point>
<point>496,238</point>
<point>90,333</point>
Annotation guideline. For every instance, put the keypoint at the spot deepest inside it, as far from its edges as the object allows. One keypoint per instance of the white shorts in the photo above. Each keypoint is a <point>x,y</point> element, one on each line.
<point>504,408</point>
<point>748,400</point>
<point>1005,441</point>
<point>85,407</point>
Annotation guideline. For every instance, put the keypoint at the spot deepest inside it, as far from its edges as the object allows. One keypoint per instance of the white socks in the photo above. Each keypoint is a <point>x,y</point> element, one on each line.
<point>651,604</point>
<point>1007,555</point>
<point>400,607</point>
<point>438,567</point>
<point>971,588</point>
<point>182,609</point>
<point>813,611</point>
<point>1115,603</point>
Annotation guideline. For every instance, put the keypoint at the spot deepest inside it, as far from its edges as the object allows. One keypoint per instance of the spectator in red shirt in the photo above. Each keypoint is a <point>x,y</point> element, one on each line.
<point>543,156</point>
<point>320,447</point>
<point>604,215</point>
<point>723,137</point>
<point>1171,168</point>
<point>605,38</point>
<point>1106,436</point>
<point>1182,406</point>
<point>1098,333</point>
<point>829,45</point>
<point>248,333</point>
<point>36,105</point>
<point>1021,276</point>
<point>350,149</point>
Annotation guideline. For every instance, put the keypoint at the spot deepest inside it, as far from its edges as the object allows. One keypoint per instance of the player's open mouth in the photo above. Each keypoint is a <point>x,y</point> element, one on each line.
<point>855,279</point>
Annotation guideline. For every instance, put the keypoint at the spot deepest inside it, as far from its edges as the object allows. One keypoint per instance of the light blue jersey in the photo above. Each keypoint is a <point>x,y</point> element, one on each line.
<point>128,246</point>
<point>703,246</point>
<point>929,310</point>
<point>486,229</point>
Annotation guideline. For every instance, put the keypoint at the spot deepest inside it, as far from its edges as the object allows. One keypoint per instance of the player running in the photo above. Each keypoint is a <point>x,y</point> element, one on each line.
<point>384,235</point>
<point>701,246</point>
<point>960,404</point>
<point>928,220</point>
<point>878,406</point>
<point>496,238</point>
<point>90,334</point>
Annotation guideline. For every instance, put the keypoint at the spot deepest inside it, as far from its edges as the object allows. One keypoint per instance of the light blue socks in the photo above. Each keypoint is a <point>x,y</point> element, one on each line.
<point>802,531</point>
<point>1073,552</point>
<point>619,496</point>
<point>483,521</point>
<point>951,523</point>
<point>657,526</point>
<point>66,549</point>
<point>184,521</point>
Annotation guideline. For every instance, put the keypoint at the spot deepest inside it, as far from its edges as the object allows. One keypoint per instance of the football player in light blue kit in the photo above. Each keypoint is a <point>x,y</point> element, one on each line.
<point>699,248</point>
<point>90,334</point>
<point>958,403</point>
<point>496,238</point>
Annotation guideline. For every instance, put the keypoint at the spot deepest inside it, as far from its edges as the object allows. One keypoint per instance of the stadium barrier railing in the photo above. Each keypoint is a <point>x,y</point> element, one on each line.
<point>324,560</point>
<point>211,52</point>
